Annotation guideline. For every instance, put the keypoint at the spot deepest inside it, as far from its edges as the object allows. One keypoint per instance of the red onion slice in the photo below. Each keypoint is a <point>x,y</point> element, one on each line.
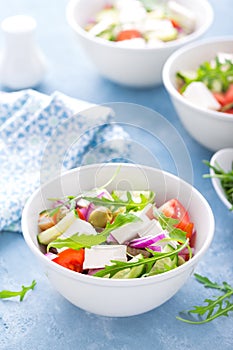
<point>146,241</point>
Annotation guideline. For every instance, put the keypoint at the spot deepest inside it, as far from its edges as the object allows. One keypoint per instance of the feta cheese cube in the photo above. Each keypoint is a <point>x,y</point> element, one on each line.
<point>130,231</point>
<point>101,255</point>
<point>153,228</point>
<point>80,226</point>
<point>198,94</point>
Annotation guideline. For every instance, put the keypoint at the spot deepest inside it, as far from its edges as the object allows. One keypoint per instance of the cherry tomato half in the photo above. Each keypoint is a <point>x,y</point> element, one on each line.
<point>174,209</point>
<point>128,34</point>
<point>225,98</point>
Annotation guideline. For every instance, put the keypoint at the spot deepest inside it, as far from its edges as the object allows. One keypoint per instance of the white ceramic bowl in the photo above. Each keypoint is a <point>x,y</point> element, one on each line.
<point>212,129</point>
<point>130,66</point>
<point>224,158</point>
<point>119,297</point>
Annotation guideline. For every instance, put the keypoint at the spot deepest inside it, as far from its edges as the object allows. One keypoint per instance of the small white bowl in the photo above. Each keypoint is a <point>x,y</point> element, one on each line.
<point>135,67</point>
<point>224,158</point>
<point>212,129</point>
<point>119,297</point>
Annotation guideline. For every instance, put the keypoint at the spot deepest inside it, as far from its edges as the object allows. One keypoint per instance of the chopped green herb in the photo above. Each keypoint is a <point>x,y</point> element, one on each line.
<point>215,75</point>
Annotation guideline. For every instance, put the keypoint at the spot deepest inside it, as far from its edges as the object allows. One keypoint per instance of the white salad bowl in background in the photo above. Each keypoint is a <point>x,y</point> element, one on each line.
<point>135,67</point>
<point>210,128</point>
<point>223,158</point>
<point>119,297</point>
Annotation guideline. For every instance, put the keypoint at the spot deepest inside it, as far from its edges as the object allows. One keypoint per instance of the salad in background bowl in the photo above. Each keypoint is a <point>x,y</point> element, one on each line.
<point>202,96</point>
<point>142,23</point>
<point>221,173</point>
<point>133,62</point>
<point>130,282</point>
<point>211,84</point>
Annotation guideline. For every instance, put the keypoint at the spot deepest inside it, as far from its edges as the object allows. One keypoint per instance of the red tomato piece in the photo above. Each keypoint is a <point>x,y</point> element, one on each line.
<point>230,111</point>
<point>220,97</point>
<point>175,24</point>
<point>128,34</point>
<point>71,259</point>
<point>225,98</point>
<point>80,214</point>
<point>229,95</point>
<point>174,209</point>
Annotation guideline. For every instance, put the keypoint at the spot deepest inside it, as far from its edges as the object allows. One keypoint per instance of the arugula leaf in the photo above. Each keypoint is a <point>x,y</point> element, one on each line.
<point>5,294</point>
<point>70,201</point>
<point>217,77</point>
<point>78,241</point>
<point>117,266</point>
<point>216,307</point>
<point>168,223</point>
<point>225,287</point>
<point>116,203</point>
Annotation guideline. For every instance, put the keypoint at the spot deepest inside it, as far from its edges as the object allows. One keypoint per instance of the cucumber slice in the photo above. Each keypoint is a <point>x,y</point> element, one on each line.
<point>169,248</point>
<point>49,235</point>
<point>162,265</point>
<point>133,272</point>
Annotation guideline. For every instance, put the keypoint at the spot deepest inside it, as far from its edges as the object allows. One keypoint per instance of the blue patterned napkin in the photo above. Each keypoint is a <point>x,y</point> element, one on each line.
<point>41,136</point>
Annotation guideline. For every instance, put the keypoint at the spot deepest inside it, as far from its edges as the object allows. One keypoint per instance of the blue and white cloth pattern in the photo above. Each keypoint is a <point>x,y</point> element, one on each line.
<point>41,136</point>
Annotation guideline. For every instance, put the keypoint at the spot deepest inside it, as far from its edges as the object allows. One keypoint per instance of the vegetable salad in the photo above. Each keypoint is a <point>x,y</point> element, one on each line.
<point>140,23</point>
<point>122,234</point>
<point>210,85</point>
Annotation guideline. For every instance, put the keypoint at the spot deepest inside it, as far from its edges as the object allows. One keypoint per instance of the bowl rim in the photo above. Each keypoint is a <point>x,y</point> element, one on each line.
<point>168,45</point>
<point>174,92</point>
<point>117,282</point>
<point>216,157</point>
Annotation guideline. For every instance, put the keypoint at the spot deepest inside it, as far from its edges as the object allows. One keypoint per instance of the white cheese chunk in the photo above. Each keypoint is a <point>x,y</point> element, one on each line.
<point>130,11</point>
<point>153,228</point>
<point>80,226</point>
<point>200,95</point>
<point>129,231</point>
<point>101,255</point>
<point>157,24</point>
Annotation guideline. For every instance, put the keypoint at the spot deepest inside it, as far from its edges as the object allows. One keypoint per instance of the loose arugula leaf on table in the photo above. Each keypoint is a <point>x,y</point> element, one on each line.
<point>78,241</point>
<point>5,294</point>
<point>226,179</point>
<point>216,307</point>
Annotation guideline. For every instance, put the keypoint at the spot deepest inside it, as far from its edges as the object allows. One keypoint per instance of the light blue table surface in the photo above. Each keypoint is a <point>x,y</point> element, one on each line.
<point>45,320</point>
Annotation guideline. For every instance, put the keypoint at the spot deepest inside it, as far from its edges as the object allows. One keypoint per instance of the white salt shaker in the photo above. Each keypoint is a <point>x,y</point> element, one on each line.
<point>22,64</point>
